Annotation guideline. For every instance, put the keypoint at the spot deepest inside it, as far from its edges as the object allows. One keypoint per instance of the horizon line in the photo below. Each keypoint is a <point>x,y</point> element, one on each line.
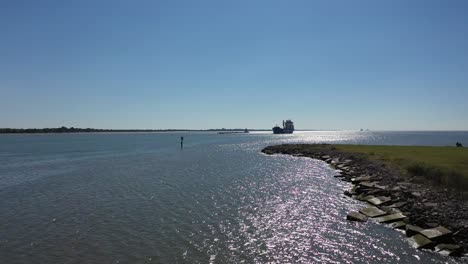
<point>71,129</point>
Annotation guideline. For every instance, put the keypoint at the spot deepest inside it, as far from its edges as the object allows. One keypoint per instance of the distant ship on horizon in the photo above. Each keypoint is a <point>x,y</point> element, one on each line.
<point>288,128</point>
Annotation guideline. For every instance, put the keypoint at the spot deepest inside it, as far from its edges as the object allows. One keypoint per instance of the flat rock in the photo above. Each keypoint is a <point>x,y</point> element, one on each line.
<point>397,205</point>
<point>440,247</point>
<point>367,184</point>
<point>364,197</point>
<point>335,161</point>
<point>394,211</point>
<point>361,178</point>
<point>412,230</point>
<point>390,218</point>
<point>368,197</point>
<point>398,225</point>
<point>324,157</point>
<point>448,249</point>
<point>381,187</point>
<point>372,211</point>
<point>419,241</point>
<point>448,252</point>
<point>355,216</point>
<point>379,200</point>
<point>436,232</point>
<point>385,208</point>
<point>361,197</point>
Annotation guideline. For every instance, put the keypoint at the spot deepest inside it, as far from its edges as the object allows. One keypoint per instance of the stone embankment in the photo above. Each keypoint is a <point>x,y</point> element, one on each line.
<point>431,217</point>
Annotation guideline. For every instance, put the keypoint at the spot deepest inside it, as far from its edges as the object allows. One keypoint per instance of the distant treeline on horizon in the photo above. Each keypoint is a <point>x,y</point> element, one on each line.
<point>87,130</point>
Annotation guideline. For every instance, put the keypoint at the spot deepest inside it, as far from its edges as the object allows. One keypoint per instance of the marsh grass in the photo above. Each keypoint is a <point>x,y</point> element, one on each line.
<point>439,176</point>
<point>444,166</point>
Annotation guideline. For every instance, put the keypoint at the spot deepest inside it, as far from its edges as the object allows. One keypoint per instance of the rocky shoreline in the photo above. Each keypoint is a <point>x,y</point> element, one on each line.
<point>432,217</point>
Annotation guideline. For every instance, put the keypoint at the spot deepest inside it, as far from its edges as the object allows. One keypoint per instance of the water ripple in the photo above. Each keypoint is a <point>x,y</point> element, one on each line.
<point>139,198</point>
<point>296,214</point>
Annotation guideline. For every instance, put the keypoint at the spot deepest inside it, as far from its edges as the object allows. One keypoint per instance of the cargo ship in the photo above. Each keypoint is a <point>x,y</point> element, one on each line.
<point>288,128</point>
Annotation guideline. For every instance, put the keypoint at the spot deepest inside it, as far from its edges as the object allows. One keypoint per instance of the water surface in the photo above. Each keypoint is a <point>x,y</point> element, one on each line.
<point>139,198</point>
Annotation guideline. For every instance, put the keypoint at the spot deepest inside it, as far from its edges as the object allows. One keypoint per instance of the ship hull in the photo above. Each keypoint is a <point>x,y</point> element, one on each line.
<point>279,130</point>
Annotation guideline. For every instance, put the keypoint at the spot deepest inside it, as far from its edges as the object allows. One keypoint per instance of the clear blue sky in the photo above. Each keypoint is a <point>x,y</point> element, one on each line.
<point>382,65</point>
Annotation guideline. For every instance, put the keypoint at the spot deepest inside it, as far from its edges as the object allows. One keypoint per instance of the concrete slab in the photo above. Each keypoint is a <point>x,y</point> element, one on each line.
<point>372,211</point>
<point>440,247</point>
<point>399,204</point>
<point>436,232</point>
<point>419,241</point>
<point>335,161</point>
<point>355,216</point>
<point>412,230</point>
<point>361,178</point>
<point>448,249</point>
<point>398,225</point>
<point>379,200</point>
<point>394,211</point>
<point>390,218</point>
<point>381,187</point>
<point>367,184</point>
<point>364,197</point>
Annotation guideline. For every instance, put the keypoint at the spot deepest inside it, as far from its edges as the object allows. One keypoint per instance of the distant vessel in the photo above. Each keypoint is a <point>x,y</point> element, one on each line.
<point>288,128</point>
<point>235,132</point>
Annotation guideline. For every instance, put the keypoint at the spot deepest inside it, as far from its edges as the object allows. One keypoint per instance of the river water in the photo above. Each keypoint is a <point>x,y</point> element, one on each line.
<point>139,198</point>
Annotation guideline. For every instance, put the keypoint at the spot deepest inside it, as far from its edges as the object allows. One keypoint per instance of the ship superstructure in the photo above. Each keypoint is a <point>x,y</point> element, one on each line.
<point>288,128</point>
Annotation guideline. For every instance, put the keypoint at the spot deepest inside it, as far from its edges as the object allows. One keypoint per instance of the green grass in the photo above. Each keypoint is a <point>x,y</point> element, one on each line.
<point>441,165</point>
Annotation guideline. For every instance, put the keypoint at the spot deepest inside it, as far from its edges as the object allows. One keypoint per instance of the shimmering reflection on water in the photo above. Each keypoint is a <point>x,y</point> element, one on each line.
<point>296,214</point>
<point>137,198</point>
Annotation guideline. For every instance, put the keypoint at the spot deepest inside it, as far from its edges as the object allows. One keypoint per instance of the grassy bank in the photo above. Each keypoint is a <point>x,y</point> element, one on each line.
<point>440,165</point>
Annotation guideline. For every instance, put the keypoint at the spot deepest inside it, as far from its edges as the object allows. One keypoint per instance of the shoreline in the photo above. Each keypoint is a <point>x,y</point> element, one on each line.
<point>433,217</point>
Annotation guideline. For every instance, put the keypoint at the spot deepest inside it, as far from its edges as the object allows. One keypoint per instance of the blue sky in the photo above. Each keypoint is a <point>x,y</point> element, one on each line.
<point>382,65</point>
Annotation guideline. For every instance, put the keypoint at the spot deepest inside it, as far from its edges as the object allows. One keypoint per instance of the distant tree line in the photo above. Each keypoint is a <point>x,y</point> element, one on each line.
<point>76,130</point>
<point>64,129</point>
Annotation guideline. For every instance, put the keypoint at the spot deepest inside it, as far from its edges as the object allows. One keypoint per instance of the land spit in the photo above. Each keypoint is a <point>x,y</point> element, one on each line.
<point>432,217</point>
